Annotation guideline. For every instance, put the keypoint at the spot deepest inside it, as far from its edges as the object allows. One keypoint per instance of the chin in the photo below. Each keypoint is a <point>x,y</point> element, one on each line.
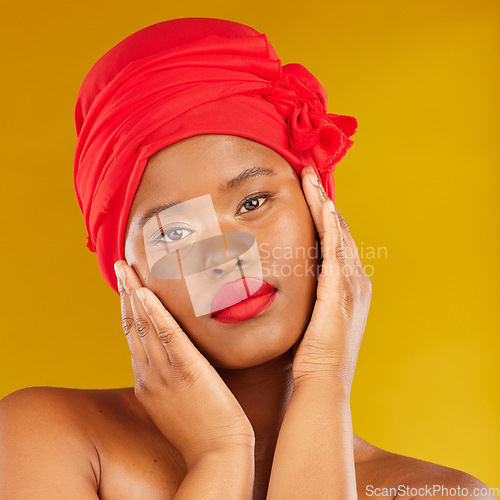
<point>247,360</point>
<point>250,347</point>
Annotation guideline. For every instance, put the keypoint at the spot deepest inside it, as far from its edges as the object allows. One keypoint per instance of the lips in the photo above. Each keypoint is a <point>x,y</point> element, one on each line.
<point>242,299</point>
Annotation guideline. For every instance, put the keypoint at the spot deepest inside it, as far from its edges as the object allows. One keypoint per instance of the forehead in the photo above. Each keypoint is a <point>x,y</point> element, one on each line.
<point>205,161</point>
<point>213,148</point>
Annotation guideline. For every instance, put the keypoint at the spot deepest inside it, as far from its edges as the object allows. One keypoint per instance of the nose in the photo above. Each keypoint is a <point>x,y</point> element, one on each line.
<point>231,253</point>
<point>217,272</point>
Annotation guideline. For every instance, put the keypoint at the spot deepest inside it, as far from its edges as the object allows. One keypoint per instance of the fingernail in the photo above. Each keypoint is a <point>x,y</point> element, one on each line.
<point>306,170</point>
<point>142,297</point>
<point>331,206</point>
<point>314,180</point>
<point>120,272</point>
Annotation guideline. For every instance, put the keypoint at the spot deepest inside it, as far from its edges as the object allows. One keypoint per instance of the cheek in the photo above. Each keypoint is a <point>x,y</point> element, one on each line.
<point>174,296</point>
<point>291,246</point>
<point>172,293</point>
<point>292,263</point>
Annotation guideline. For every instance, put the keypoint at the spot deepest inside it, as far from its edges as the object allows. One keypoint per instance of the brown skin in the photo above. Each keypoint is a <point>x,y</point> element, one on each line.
<point>196,167</point>
<point>260,348</point>
<point>254,357</point>
<point>111,444</point>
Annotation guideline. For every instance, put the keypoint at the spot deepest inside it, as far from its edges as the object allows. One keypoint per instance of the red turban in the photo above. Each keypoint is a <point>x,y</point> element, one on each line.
<point>185,77</point>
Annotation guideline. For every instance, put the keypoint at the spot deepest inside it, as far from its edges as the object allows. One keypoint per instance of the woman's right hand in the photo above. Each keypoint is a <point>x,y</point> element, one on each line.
<point>181,391</point>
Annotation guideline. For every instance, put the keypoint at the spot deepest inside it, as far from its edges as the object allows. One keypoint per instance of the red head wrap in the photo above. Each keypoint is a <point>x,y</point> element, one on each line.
<point>185,77</point>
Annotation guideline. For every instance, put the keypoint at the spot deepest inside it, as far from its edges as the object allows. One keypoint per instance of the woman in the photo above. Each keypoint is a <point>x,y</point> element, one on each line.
<point>204,171</point>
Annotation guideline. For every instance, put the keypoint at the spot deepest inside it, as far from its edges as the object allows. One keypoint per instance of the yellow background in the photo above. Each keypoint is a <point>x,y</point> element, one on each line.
<point>421,181</point>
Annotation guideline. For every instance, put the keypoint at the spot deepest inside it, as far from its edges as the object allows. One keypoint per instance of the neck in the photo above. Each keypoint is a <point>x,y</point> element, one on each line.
<point>263,392</point>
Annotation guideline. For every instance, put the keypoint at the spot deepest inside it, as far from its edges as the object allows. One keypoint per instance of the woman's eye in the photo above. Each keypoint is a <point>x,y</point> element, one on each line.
<point>173,235</point>
<point>252,203</point>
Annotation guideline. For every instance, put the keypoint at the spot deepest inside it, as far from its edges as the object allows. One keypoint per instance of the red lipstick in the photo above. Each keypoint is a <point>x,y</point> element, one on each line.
<point>233,302</point>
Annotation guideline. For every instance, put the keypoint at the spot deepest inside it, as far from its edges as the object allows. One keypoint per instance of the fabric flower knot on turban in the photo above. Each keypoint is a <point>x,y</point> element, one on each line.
<point>181,78</point>
<point>302,101</point>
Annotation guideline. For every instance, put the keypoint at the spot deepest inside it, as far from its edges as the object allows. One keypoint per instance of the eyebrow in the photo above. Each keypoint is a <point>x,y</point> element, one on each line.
<point>243,176</point>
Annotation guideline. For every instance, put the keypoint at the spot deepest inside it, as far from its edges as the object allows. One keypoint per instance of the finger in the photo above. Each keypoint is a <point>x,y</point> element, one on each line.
<point>181,350</point>
<point>128,324</point>
<point>355,261</point>
<point>144,328</point>
<point>316,197</point>
<point>333,269</point>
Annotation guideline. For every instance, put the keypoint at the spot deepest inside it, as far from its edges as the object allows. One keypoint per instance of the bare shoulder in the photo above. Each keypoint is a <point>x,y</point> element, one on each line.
<point>382,474</point>
<point>99,443</point>
<point>40,432</point>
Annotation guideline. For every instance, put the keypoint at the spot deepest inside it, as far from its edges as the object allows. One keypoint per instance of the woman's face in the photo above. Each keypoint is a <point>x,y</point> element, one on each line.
<point>277,216</point>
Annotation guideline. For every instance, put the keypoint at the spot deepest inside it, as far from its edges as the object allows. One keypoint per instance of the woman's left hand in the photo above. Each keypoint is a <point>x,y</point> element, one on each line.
<point>330,346</point>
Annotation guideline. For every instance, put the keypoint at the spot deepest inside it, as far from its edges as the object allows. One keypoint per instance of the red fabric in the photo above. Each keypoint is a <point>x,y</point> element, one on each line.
<point>185,77</point>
